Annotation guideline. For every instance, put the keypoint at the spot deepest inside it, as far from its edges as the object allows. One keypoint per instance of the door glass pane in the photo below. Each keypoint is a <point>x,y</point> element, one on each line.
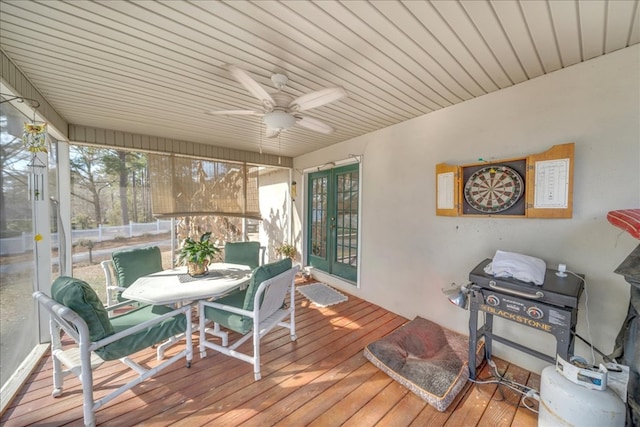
<point>18,318</point>
<point>318,236</point>
<point>347,218</point>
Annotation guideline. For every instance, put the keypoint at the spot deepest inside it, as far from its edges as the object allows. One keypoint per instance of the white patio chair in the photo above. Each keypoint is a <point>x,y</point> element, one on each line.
<point>76,309</point>
<point>125,266</point>
<point>252,312</point>
<point>245,253</point>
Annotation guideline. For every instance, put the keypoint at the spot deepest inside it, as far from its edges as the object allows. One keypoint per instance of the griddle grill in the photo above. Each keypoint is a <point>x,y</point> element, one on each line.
<point>552,308</point>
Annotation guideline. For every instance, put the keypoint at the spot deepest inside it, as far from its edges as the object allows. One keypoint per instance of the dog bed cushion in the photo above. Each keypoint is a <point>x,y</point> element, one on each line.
<point>426,358</point>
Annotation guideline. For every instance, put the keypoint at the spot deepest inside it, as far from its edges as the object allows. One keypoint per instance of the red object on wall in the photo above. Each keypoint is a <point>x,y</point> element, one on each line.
<point>626,219</point>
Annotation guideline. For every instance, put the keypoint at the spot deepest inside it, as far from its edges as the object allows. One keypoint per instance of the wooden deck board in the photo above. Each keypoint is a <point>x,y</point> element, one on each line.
<point>502,408</point>
<point>321,379</point>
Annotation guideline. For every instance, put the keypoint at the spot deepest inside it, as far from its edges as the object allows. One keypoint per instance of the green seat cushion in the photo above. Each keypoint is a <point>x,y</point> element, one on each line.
<point>235,322</point>
<point>131,264</point>
<point>146,338</point>
<point>244,299</point>
<point>245,253</point>
<point>81,298</point>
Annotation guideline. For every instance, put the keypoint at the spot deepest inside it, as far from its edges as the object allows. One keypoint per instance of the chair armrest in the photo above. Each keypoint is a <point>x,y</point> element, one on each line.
<point>225,307</point>
<point>121,304</point>
<point>68,320</point>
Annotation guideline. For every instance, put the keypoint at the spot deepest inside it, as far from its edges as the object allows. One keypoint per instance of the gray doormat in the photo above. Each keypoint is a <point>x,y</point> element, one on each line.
<point>321,294</point>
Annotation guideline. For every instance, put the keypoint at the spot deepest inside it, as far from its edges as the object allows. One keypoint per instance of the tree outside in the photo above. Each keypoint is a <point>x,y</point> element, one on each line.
<point>109,187</point>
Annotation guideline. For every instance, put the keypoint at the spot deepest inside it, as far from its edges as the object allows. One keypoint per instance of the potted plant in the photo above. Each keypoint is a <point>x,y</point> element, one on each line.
<point>287,250</point>
<point>197,254</point>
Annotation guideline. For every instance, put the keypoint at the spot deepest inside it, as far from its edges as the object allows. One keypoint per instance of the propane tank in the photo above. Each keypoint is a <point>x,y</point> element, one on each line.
<point>563,403</point>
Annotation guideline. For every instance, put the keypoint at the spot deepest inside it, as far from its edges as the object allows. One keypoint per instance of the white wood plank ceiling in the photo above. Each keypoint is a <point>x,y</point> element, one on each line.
<point>157,67</point>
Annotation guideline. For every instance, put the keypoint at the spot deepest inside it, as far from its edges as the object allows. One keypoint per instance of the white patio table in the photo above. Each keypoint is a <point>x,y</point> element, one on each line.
<point>175,286</point>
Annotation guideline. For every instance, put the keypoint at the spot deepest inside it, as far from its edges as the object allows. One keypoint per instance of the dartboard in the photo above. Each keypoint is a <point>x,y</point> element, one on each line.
<point>493,189</point>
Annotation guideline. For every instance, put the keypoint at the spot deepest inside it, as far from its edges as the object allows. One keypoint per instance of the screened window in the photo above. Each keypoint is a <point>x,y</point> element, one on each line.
<point>18,319</point>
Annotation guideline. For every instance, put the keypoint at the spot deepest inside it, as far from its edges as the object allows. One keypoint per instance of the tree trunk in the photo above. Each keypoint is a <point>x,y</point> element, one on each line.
<point>134,197</point>
<point>97,207</point>
<point>124,205</point>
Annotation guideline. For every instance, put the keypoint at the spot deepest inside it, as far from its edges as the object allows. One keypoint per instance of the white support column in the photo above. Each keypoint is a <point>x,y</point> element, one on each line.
<point>303,182</point>
<point>290,225</point>
<point>64,206</point>
<point>174,244</point>
<point>39,196</point>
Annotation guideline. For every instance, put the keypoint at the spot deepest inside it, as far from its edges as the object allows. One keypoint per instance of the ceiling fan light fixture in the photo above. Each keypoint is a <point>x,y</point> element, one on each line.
<point>279,120</point>
<point>280,111</point>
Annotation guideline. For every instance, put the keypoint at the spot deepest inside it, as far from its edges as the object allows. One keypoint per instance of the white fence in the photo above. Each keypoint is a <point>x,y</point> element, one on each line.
<point>24,243</point>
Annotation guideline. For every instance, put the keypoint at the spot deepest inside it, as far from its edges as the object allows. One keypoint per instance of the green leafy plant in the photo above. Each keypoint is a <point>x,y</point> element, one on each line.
<point>201,251</point>
<point>287,250</point>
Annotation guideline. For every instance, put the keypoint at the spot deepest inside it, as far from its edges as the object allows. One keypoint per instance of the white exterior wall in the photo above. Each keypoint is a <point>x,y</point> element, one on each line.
<point>408,253</point>
<point>275,208</point>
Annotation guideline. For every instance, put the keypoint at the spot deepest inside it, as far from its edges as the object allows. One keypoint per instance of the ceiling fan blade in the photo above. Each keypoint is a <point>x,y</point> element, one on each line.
<point>317,98</point>
<point>314,124</point>
<point>251,85</point>
<point>236,112</point>
<point>271,132</point>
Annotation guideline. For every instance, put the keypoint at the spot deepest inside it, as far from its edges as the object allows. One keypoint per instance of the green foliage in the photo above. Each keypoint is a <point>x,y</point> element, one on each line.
<point>86,243</point>
<point>287,250</point>
<point>197,251</point>
<point>81,222</point>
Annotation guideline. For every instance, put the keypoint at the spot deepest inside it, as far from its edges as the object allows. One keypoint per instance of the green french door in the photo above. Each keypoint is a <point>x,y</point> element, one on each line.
<point>332,240</point>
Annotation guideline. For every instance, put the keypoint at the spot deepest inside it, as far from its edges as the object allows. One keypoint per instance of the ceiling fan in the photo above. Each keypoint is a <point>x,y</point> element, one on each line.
<point>279,110</point>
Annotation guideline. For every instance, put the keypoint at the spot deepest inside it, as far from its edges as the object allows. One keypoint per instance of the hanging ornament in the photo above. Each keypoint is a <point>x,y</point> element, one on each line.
<point>34,137</point>
<point>37,167</point>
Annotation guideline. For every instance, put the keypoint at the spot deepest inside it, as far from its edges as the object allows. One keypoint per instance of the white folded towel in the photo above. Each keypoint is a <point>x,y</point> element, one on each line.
<point>519,266</point>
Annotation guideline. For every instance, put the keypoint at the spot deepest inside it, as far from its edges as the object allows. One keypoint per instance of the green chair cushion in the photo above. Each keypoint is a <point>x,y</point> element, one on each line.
<point>245,253</point>
<point>235,322</point>
<point>131,264</point>
<point>81,298</point>
<point>244,298</point>
<point>146,338</point>
<point>259,275</point>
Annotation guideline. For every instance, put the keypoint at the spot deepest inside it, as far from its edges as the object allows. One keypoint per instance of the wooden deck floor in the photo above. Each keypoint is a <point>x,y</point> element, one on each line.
<point>322,379</point>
